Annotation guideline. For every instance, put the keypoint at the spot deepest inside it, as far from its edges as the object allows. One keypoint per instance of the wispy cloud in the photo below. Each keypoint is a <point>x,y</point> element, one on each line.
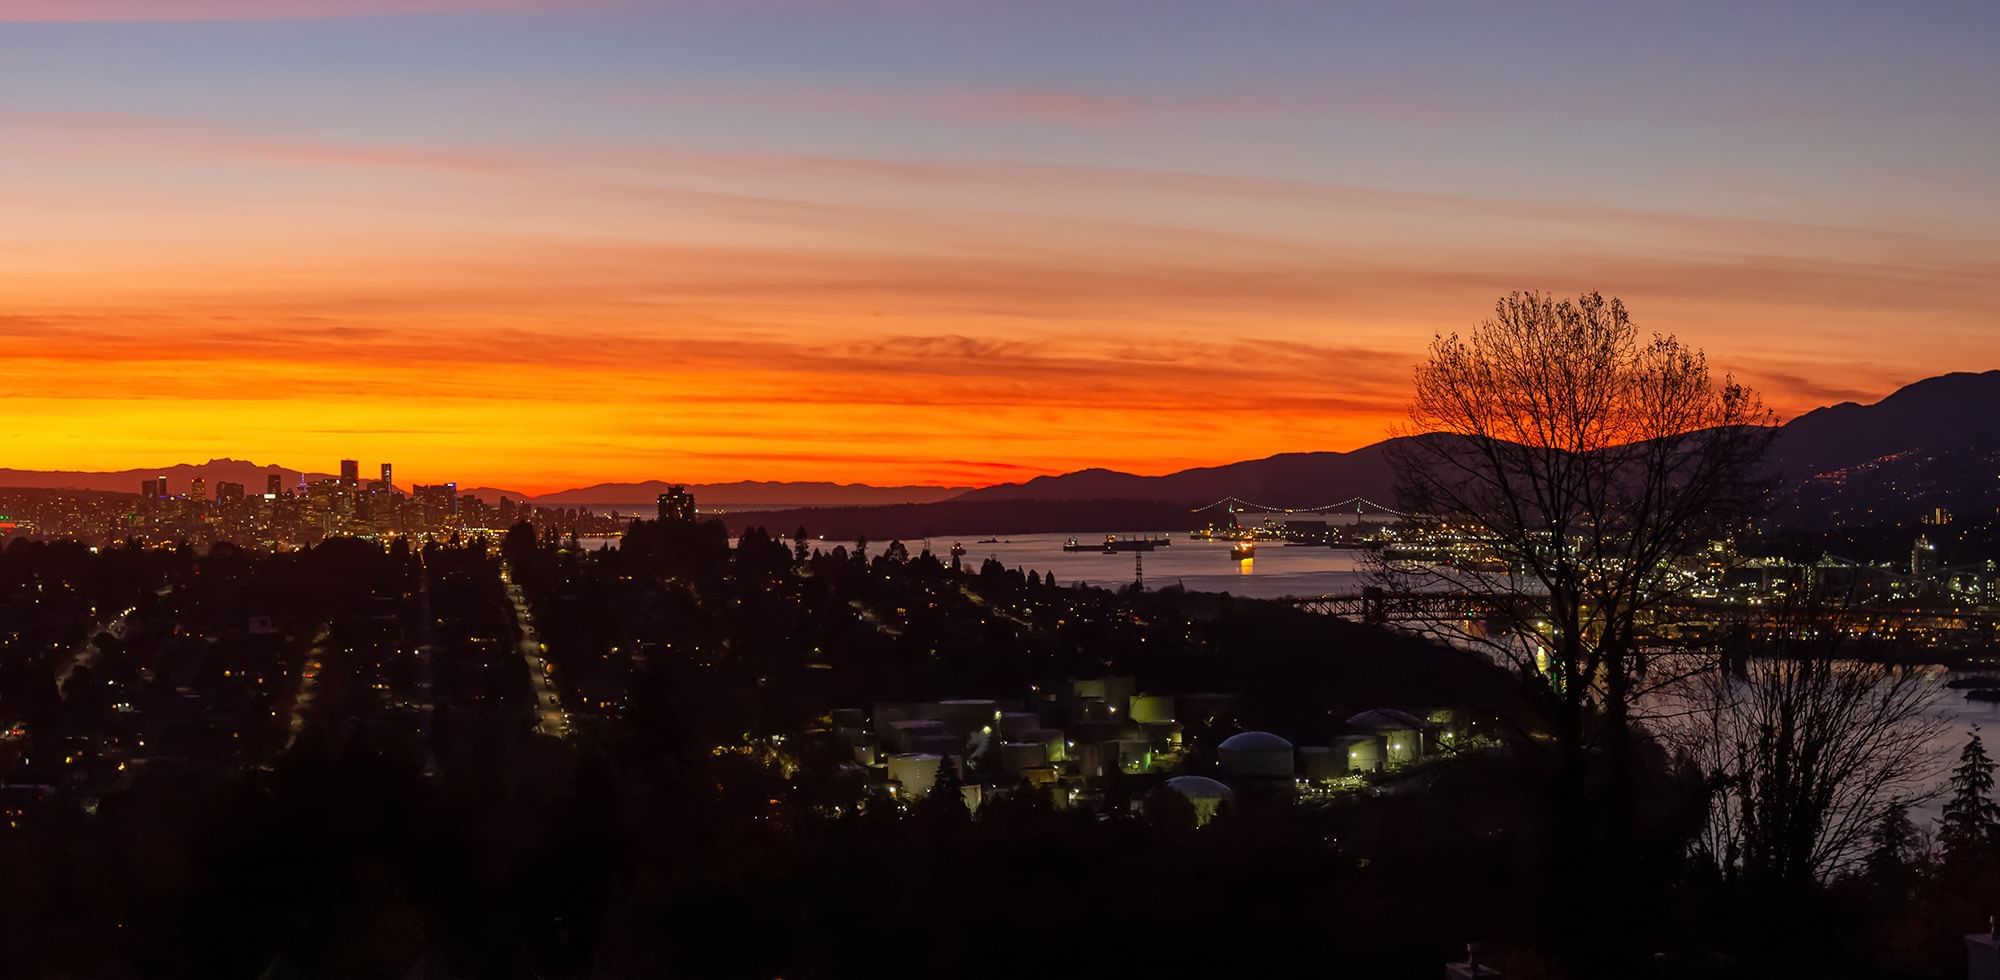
<point>86,11</point>
<point>968,104</point>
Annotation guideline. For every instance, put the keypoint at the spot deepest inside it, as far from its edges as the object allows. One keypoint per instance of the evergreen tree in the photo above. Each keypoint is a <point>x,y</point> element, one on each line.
<point>946,802</point>
<point>1168,811</point>
<point>947,776</point>
<point>1970,816</point>
<point>1892,847</point>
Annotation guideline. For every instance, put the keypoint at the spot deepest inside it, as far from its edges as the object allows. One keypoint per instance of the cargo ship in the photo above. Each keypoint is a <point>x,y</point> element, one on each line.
<point>1243,551</point>
<point>1113,544</point>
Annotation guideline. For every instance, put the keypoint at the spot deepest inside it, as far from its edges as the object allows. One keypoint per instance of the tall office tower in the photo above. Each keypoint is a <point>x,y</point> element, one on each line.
<point>198,488</point>
<point>350,473</point>
<point>274,484</point>
<point>227,492</point>
<point>1923,558</point>
<point>149,489</point>
<point>438,501</point>
<point>160,487</point>
<point>388,477</point>
<point>677,505</point>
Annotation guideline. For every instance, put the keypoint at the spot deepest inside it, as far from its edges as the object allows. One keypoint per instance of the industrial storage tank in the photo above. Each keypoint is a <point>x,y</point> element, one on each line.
<point>1152,709</point>
<point>886,713</point>
<point>901,736</point>
<point>1321,763</point>
<point>964,716</point>
<point>1041,776</point>
<point>1118,689</point>
<point>1206,794</point>
<point>1134,754</point>
<point>1443,726</point>
<point>917,771</point>
<point>1363,753</point>
<point>1048,706</point>
<point>1401,733</point>
<point>939,744</point>
<point>1094,759</point>
<point>1053,738</point>
<point>1207,710</point>
<point>1115,690</point>
<point>1109,731</point>
<point>1256,755</point>
<point>1164,735</point>
<point>860,744</point>
<point>1018,756</point>
<point>1014,723</point>
<point>1092,711</point>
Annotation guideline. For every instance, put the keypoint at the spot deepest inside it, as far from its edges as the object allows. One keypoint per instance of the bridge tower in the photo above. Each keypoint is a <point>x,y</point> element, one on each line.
<point>1374,605</point>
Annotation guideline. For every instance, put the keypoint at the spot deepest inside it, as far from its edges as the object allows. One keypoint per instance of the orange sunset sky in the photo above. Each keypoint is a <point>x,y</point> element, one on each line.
<point>546,245</point>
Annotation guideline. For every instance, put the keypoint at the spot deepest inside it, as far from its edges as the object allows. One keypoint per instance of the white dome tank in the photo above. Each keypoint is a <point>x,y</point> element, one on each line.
<point>1206,794</point>
<point>1257,755</point>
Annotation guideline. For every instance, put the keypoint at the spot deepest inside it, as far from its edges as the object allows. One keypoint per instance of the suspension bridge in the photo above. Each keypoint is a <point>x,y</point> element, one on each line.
<point>1359,507</point>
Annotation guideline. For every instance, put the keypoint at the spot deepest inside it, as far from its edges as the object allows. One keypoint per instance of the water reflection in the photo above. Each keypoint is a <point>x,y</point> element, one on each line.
<point>1199,565</point>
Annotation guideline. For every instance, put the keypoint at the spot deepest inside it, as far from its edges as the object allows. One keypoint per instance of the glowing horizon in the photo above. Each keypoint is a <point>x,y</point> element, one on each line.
<point>546,246</point>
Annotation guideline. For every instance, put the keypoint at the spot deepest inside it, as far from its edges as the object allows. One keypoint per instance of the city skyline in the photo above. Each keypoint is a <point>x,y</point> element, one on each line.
<point>543,248</point>
<point>1842,436</point>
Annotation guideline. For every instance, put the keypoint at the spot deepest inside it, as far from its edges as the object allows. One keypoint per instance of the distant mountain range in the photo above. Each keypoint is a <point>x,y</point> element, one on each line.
<point>251,475</point>
<point>753,493</point>
<point>1284,480</point>
<point>1934,443</point>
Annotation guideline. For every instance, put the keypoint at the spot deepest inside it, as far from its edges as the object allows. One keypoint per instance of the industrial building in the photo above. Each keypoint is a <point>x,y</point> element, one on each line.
<point>1077,737</point>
